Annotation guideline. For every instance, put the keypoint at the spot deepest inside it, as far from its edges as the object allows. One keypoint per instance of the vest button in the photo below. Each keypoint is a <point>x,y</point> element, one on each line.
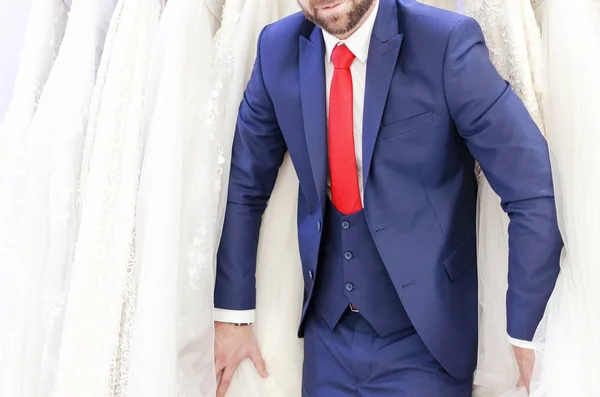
<point>348,255</point>
<point>318,226</point>
<point>345,225</point>
<point>349,287</point>
<point>311,274</point>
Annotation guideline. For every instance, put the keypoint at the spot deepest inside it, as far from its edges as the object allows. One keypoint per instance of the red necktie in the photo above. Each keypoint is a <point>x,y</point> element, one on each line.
<point>343,175</point>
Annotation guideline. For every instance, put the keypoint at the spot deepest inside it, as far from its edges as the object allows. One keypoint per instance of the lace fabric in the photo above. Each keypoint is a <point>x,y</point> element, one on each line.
<point>102,289</point>
<point>45,218</point>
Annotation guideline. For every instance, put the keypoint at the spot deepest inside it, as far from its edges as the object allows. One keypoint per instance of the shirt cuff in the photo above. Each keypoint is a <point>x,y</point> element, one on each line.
<point>523,344</point>
<point>234,316</point>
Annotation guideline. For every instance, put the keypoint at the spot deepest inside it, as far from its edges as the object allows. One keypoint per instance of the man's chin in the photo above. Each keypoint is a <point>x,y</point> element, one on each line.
<point>334,25</point>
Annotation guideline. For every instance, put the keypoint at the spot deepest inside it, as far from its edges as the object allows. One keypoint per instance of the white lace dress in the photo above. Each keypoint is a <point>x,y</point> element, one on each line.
<point>514,41</point>
<point>172,339</point>
<point>45,29</point>
<point>43,230</point>
<point>569,344</point>
<point>100,306</point>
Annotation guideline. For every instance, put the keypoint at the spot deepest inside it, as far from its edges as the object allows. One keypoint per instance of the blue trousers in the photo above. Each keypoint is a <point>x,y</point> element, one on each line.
<point>351,360</point>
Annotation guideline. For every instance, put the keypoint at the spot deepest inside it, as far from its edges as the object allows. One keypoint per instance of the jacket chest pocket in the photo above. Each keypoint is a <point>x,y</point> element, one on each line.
<point>405,125</point>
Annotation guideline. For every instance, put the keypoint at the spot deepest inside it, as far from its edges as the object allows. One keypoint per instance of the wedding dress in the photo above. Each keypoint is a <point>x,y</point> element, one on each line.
<point>450,5</point>
<point>172,338</point>
<point>279,279</point>
<point>45,29</point>
<point>570,347</point>
<point>13,26</point>
<point>43,226</point>
<point>514,42</point>
<point>94,349</point>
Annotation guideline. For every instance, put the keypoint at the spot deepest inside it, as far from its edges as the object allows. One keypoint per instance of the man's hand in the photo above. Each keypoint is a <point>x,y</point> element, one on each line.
<point>525,360</point>
<point>233,345</point>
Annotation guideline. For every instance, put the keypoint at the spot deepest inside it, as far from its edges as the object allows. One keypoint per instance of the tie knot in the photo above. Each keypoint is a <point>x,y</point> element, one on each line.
<point>342,57</point>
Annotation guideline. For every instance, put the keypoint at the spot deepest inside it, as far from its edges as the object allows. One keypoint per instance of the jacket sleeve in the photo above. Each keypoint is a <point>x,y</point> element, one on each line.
<point>257,154</point>
<point>514,157</point>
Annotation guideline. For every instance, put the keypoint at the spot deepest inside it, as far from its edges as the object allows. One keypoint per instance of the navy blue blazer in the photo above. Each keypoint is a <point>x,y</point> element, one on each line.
<point>434,104</point>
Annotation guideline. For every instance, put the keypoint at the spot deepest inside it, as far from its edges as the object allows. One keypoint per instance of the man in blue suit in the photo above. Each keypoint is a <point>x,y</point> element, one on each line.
<point>384,106</point>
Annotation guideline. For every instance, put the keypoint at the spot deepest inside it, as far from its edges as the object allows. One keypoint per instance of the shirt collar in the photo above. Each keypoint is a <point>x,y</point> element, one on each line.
<point>358,42</point>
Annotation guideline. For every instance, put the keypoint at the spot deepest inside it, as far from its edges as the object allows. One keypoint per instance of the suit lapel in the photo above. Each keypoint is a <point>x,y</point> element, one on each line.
<point>312,91</point>
<point>383,55</point>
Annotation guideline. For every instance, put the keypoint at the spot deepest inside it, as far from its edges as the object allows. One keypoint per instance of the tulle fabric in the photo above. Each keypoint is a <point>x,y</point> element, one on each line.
<point>279,299</point>
<point>45,30</point>
<point>172,340</point>
<point>497,370</point>
<point>569,353</point>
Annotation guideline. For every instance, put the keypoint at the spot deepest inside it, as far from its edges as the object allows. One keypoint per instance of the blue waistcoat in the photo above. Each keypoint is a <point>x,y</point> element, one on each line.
<point>350,271</point>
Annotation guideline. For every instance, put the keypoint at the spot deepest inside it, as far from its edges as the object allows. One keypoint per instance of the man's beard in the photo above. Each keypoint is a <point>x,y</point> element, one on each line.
<point>341,24</point>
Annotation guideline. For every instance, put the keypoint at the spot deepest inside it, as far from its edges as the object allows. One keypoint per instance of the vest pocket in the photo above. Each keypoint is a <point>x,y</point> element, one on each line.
<point>462,258</point>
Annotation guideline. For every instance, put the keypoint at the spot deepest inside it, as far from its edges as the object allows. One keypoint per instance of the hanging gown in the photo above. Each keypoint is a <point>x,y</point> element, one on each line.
<point>569,355</point>
<point>44,225</point>
<point>99,311</point>
<point>13,20</point>
<point>279,278</point>
<point>174,300</point>
<point>450,5</point>
<point>514,41</point>
<point>45,29</point>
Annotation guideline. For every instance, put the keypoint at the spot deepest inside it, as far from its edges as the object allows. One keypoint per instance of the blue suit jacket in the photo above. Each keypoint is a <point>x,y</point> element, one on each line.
<point>433,104</point>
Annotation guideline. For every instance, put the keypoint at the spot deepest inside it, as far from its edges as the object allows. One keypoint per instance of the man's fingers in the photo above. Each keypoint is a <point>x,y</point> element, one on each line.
<point>225,380</point>
<point>524,382</point>
<point>220,364</point>
<point>259,363</point>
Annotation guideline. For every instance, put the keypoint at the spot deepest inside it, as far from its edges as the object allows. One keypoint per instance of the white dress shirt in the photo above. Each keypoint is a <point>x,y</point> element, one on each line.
<point>358,44</point>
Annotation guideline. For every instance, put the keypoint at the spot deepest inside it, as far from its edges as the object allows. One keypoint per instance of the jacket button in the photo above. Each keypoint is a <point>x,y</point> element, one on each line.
<point>348,255</point>
<point>349,287</point>
<point>345,225</point>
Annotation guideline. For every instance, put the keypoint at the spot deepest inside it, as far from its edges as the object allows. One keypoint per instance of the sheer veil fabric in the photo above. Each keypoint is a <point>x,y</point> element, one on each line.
<point>569,348</point>
<point>172,338</point>
<point>45,30</point>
